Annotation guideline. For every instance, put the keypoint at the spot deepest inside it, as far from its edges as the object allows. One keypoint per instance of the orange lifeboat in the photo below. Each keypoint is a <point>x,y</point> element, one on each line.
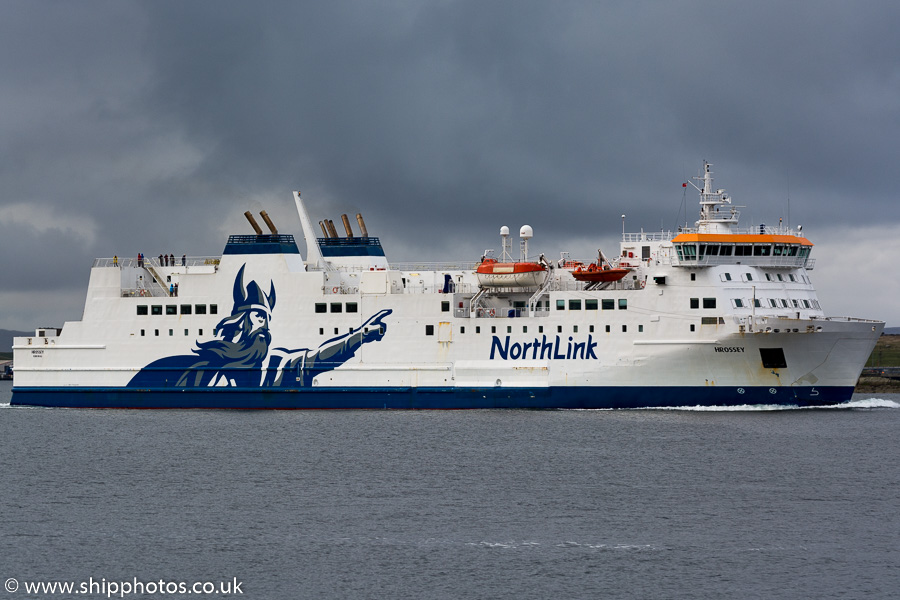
<point>594,273</point>
<point>491,273</point>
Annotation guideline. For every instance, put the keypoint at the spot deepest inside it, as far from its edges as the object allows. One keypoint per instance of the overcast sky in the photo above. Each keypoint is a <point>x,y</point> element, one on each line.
<point>151,127</point>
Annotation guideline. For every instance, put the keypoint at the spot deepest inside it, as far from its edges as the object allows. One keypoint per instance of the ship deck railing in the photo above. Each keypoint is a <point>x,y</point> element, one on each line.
<point>132,262</point>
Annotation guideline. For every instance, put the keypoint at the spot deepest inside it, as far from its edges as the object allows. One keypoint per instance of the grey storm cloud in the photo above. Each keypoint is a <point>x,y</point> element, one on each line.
<point>152,126</point>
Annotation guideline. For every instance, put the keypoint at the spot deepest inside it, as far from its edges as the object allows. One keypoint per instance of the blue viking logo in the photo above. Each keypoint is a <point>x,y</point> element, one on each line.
<point>240,355</point>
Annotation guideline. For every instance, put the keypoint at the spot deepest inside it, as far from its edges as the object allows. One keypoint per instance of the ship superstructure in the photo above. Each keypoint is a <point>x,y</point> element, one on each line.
<point>709,315</point>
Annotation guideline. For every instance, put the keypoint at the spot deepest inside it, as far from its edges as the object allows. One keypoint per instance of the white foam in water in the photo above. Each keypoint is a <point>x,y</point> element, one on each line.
<point>865,403</point>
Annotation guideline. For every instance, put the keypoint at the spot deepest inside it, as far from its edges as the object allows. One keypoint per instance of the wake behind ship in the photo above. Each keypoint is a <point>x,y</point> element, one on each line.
<point>713,315</point>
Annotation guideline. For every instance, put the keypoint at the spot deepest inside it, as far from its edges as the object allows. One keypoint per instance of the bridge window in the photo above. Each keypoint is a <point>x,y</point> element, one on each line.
<point>762,250</point>
<point>743,250</point>
<point>726,250</point>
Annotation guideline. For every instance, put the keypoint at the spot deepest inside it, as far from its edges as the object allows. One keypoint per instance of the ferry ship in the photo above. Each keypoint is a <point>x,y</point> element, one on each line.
<point>712,315</point>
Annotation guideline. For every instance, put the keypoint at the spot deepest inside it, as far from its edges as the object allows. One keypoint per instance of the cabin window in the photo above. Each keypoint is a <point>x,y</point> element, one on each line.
<point>524,328</point>
<point>445,306</point>
<point>806,303</point>
<point>185,333</point>
<point>768,277</point>
<point>780,278</point>
<point>156,309</point>
<point>791,277</point>
<point>624,328</point>
<point>757,303</point>
<point>171,309</point>
<point>156,332</point>
<point>142,333</point>
<point>559,329</point>
<point>590,304</point>
<point>352,307</point>
<point>186,309</point>
<point>749,277</point>
<point>574,304</point>
<point>142,309</point>
<point>591,329</point>
<point>429,330</point>
<point>493,329</point>
<point>693,327</point>
<point>335,331</point>
<point>695,302</point>
<point>462,329</point>
<point>726,276</point>
<point>200,309</point>
<point>640,329</point>
<point>509,329</point>
<point>796,304</point>
<point>321,307</point>
<point>560,305</point>
<point>738,303</point>
<point>336,307</point>
<point>709,303</point>
<point>607,329</point>
<point>321,331</point>
<point>200,332</point>
<point>540,329</point>
<point>608,303</point>
<point>623,304</point>
<point>213,309</point>
<point>784,303</point>
<point>477,329</point>
<point>693,277</point>
<point>171,332</point>
<point>773,303</point>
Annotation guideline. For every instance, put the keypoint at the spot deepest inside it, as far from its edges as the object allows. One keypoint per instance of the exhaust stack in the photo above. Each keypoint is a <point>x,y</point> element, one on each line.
<point>332,232</point>
<point>324,229</point>
<point>347,225</point>
<point>269,224</point>
<point>253,223</point>
<point>362,225</point>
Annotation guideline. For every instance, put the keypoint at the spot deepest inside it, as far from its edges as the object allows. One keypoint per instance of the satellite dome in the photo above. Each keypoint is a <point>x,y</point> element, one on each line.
<point>504,231</point>
<point>526,232</point>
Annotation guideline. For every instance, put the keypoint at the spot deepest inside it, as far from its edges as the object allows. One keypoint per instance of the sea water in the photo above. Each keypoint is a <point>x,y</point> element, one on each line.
<point>748,502</point>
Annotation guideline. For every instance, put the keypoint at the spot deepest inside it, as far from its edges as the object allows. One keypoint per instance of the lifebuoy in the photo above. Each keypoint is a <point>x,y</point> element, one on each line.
<point>334,290</point>
<point>643,283</point>
<point>492,312</point>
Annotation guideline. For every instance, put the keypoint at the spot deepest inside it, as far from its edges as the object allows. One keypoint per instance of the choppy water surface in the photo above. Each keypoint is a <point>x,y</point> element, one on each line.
<point>751,502</point>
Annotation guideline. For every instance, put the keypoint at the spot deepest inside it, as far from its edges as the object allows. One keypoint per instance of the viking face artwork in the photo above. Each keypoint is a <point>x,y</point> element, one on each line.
<point>240,355</point>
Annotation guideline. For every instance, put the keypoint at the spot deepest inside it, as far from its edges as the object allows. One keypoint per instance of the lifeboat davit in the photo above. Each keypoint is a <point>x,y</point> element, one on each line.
<point>594,273</point>
<point>491,273</point>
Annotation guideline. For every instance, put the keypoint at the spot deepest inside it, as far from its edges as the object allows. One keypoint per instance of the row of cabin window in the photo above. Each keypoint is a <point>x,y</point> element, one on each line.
<point>171,332</point>
<point>336,307</point>
<point>778,277</point>
<point>777,303</point>
<point>429,329</point>
<point>707,303</point>
<point>591,304</point>
<point>172,309</point>
<point>689,251</point>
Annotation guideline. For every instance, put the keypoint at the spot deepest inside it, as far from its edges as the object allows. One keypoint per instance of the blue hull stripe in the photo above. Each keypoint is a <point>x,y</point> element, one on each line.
<point>428,398</point>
